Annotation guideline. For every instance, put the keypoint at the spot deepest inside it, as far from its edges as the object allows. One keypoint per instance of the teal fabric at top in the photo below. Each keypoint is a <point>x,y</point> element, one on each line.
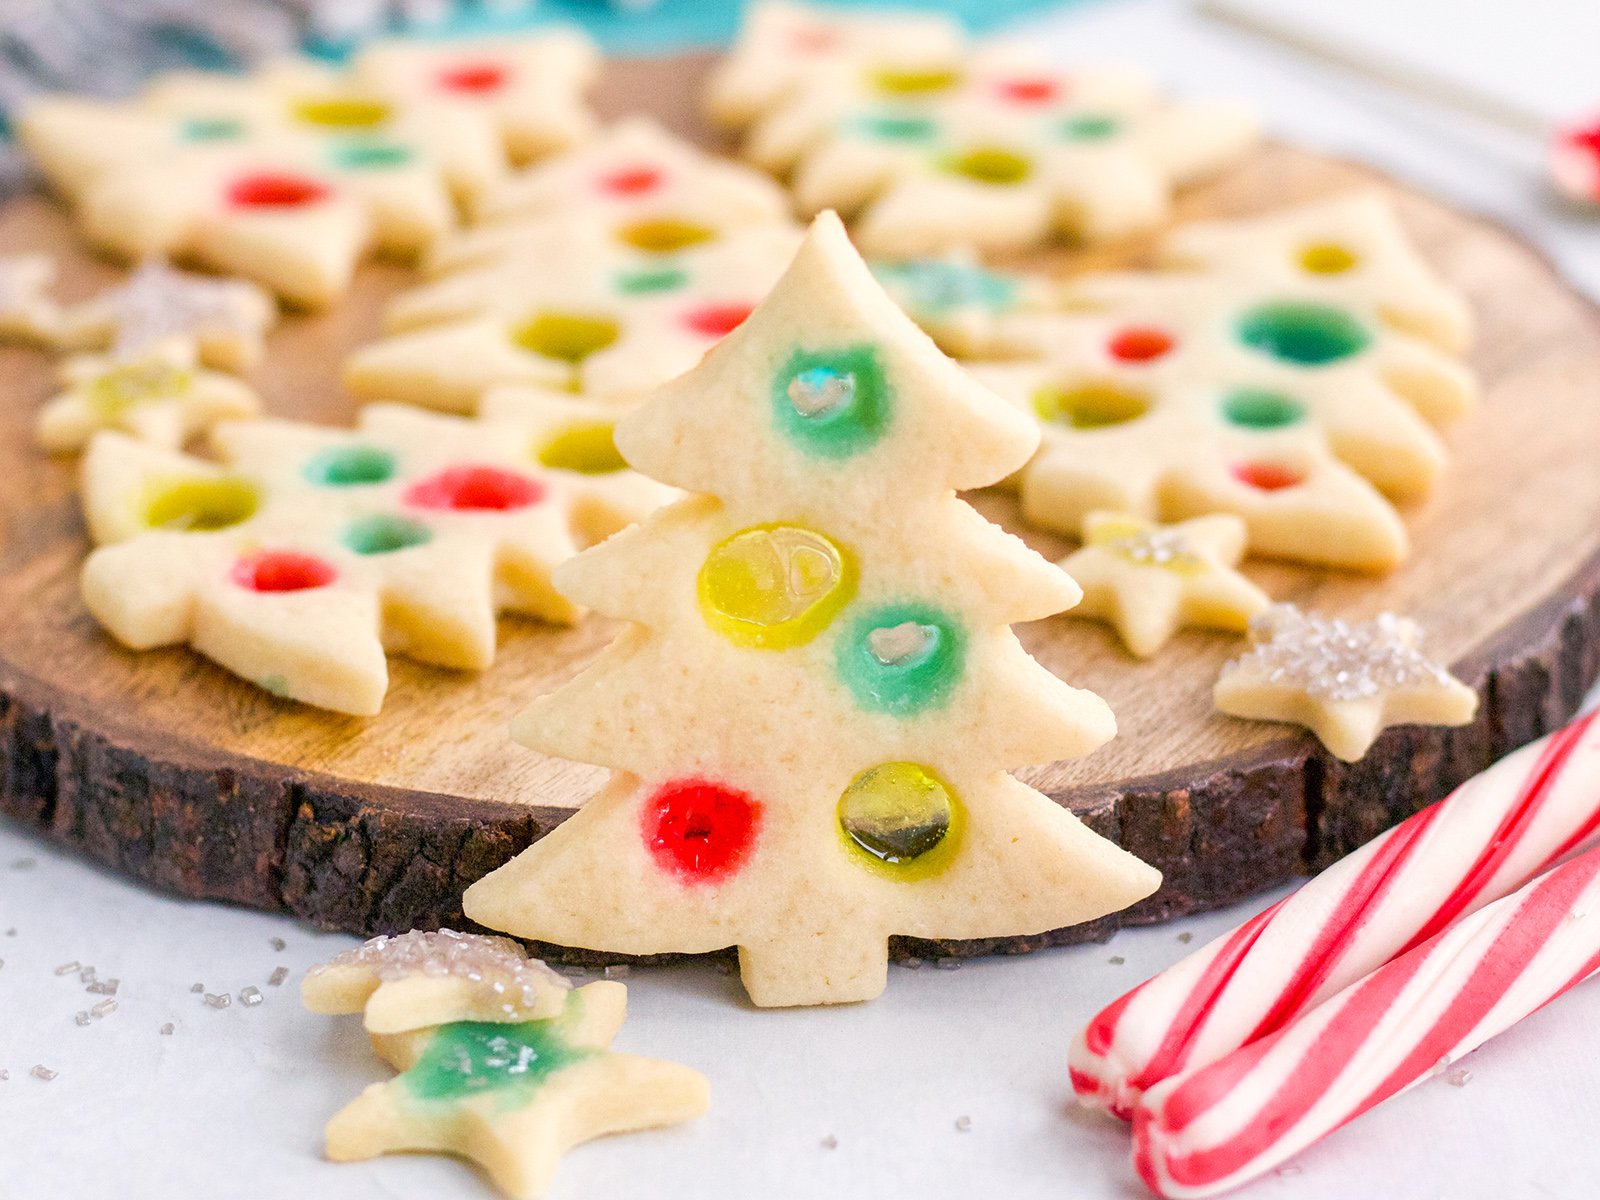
<point>675,24</point>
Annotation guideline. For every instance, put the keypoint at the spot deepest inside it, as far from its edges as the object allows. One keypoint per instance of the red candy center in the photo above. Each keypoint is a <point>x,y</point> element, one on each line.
<point>1140,344</point>
<point>700,831</point>
<point>275,191</point>
<point>475,78</point>
<point>1587,139</point>
<point>1028,91</point>
<point>632,181</point>
<point>1267,476</point>
<point>475,489</point>
<point>717,320</point>
<point>282,571</point>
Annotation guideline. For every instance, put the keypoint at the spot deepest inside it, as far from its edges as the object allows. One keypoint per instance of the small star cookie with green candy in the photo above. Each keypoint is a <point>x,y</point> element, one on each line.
<point>225,319</point>
<point>312,551</point>
<point>28,314</point>
<point>158,396</point>
<point>781,46</point>
<point>652,190</point>
<point>1351,248</point>
<point>1345,681</point>
<point>966,308</point>
<point>515,1097</point>
<point>416,979</point>
<point>1149,580</point>
<point>531,87</point>
<point>595,317</point>
<point>1001,154</point>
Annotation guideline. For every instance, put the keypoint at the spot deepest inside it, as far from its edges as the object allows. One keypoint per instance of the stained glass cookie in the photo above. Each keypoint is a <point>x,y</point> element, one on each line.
<point>826,560</point>
<point>312,551</point>
<point>1347,681</point>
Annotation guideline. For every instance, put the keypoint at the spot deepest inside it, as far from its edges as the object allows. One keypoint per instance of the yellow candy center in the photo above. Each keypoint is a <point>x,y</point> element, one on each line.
<point>342,112</point>
<point>124,387</point>
<point>665,235</point>
<point>586,446</point>
<point>199,505</point>
<point>1089,405</point>
<point>1327,258</point>
<point>775,586</point>
<point>901,819</point>
<point>569,337</point>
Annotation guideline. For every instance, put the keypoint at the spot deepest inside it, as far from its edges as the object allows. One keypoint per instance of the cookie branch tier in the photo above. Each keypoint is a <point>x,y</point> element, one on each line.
<point>812,717</point>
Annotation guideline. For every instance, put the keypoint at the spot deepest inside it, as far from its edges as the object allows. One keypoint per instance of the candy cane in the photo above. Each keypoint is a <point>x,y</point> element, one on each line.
<point>1216,1128</point>
<point>1488,838</point>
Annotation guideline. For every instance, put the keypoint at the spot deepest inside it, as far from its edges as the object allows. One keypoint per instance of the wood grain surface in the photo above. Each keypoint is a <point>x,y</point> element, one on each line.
<point>183,776</point>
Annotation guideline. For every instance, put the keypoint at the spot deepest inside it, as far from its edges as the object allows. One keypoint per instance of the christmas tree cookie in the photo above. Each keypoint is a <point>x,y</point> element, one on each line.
<point>530,87</point>
<point>28,314</point>
<point>160,397</point>
<point>509,1091</point>
<point>224,319</point>
<point>1345,681</point>
<point>1149,580</point>
<point>634,179</point>
<point>783,46</point>
<point>585,313</point>
<point>1000,153</point>
<point>311,551</point>
<point>812,719</point>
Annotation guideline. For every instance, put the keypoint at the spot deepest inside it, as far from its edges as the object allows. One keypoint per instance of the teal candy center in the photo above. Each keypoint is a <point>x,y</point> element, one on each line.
<point>637,283</point>
<point>476,1058</point>
<point>382,533</point>
<point>371,156</point>
<point>1258,408</point>
<point>902,658</point>
<point>1089,127</point>
<point>345,466</point>
<point>833,403</point>
<point>898,127</point>
<point>1307,334</point>
<point>211,129</point>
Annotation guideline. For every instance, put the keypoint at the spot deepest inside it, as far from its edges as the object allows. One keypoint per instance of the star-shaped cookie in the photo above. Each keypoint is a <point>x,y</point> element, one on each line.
<point>28,314</point>
<point>158,396</point>
<point>1345,681</point>
<point>515,1097</point>
<point>226,319</point>
<point>1149,580</point>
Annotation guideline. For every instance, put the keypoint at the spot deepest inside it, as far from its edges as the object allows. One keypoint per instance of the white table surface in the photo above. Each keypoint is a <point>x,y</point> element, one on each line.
<point>231,1105</point>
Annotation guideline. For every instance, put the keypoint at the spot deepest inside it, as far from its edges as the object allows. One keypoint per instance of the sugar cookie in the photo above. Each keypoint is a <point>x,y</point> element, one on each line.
<point>417,979</point>
<point>963,306</point>
<point>1149,580</point>
<point>313,550</point>
<point>833,692</point>
<point>1001,153</point>
<point>515,1097</point>
<point>1345,681</point>
<point>28,314</point>
<point>225,319</point>
<point>583,312</point>
<point>531,87</point>
<point>781,46</point>
<point>159,396</point>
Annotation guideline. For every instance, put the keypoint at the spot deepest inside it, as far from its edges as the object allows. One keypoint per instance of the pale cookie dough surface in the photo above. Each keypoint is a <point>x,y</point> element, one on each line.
<point>28,312</point>
<point>782,46</point>
<point>530,87</point>
<point>159,396</point>
<point>419,979</point>
<point>514,1098</point>
<point>313,551</point>
<point>812,718</point>
<point>1148,580</point>
<point>964,306</point>
<point>1002,152</point>
<point>583,312</point>
<point>1345,681</point>
<point>225,319</point>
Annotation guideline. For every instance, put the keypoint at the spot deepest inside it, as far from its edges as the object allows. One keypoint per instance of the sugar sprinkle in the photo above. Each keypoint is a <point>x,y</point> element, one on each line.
<point>40,1071</point>
<point>279,974</point>
<point>81,1016</point>
<point>830,1142</point>
<point>1333,659</point>
<point>216,1000</point>
<point>104,1009</point>
<point>67,968</point>
<point>250,996</point>
<point>500,967</point>
<point>947,964</point>
<point>168,1029</point>
<point>278,943</point>
<point>963,1123</point>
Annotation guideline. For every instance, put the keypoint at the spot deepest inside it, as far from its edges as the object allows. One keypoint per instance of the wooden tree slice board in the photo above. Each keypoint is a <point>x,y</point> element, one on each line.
<point>175,772</point>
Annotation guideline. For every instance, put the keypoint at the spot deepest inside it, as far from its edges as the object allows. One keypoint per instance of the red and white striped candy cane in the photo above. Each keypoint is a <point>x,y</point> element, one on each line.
<point>1482,842</point>
<point>1217,1128</point>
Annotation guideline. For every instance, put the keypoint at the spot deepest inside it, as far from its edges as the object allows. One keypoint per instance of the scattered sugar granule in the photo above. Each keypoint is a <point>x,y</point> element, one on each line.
<point>68,968</point>
<point>40,1071</point>
<point>963,1123</point>
<point>214,1000</point>
<point>618,971</point>
<point>168,1029</point>
<point>278,943</point>
<point>25,864</point>
<point>1116,960</point>
<point>197,988</point>
<point>103,987</point>
<point>1457,1076</point>
<point>1186,938</point>
<point>911,964</point>
<point>830,1142</point>
<point>4,1074</point>
<point>250,996</point>
<point>947,964</point>
<point>279,974</point>
<point>81,1017</point>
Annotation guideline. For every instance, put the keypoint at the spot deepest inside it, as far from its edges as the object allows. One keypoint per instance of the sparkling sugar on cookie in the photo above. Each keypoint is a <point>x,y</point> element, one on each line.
<point>297,563</point>
<point>510,1091</point>
<point>825,600</point>
<point>1345,681</point>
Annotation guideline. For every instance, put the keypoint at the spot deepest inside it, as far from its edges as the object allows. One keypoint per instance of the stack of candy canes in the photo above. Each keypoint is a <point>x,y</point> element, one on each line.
<point>1379,973</point>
